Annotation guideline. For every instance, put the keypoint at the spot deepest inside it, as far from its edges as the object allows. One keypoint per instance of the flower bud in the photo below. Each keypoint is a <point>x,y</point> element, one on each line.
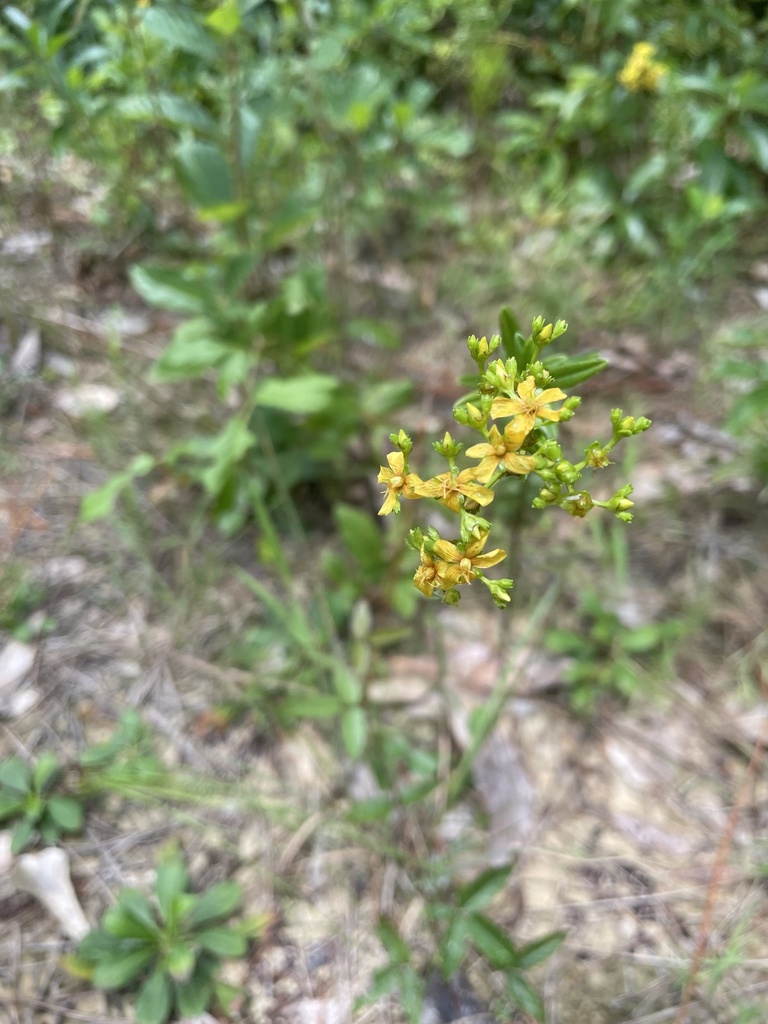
<point>536,324</point>
<point>578,504</point>
<point>403,442</point>
<point>448,448</point>
<point>566,472</point>
<point>560,328</point>
<point>545,334</point>
<point>596,456</point>
<point>451,597</point>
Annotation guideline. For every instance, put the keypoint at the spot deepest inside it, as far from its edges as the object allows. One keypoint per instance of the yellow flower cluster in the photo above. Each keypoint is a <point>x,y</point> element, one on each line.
<point>642,73</point>
<point>444,564</point>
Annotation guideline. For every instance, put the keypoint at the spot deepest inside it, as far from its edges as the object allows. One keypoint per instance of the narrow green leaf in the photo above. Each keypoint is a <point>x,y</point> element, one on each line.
<point>397,949</point>
<point>453,947</point>
<point>46,772</point>
<point>493,943</point>
<point>524,995</point>
<point>478,893</point>
<point>169,289</point>
<point>375,809</point>
<point>180,961</point>
<point>535,952</point>
<point>137,906</point>
<point>354,731</point>
<point>22,835</point>
<point>347,685</point>
<point>120,924</point>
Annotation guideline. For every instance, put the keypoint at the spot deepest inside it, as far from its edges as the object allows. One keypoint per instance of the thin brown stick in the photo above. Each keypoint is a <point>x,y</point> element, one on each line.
<point>723,849</point>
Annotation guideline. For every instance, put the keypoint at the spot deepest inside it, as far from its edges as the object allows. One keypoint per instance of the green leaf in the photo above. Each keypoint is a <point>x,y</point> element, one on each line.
<point>222,941</point>
<point>453,947</point>
<point>568,371</point>
<point>155,1000</point>
<point>481,891</point>
<point>159,107</point>
<point>121,924</point>
<point>225,19</point>
<point>397,949</point>
<point>119,973</point>
<point>11,805</point>
<point>169,289</point>
<point>171,882</point>
<point>347,685</point>
<point>318,705</point>
<point>22,835</point>
<point>46,772</point>
<point>493,943</point>
<point>179,29</point>
<point>180,961</point>
<point>354,731</point>
<point>204,173</point>
<point>361,536</point>
<point>137,906</point>
<point>217,903</point>
<point>524,995</point>
<point>303,395</point>
<point>374,809</point>
<point>194,996</point>
<point>66,812</point>
<point>15,774</point>
<point>540,950</point>
<point>101,502</point>
<point>194,350</point>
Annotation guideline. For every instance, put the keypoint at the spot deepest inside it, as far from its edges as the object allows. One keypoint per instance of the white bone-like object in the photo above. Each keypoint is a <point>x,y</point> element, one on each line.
<point>46,876</point>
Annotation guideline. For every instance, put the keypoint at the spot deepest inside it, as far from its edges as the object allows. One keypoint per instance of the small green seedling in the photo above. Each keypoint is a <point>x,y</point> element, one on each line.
<point>168,949</point>
<point>29,799</point>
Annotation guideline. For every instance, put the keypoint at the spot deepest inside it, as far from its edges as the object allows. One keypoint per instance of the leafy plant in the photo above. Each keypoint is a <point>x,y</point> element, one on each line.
<point>608,657</point>
<point>462,925</point>
<point>167,949</point>
<point>33,799</point>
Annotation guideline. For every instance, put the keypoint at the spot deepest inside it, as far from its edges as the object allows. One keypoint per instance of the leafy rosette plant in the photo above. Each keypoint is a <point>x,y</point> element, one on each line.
<point>169,948</point>
<point>512,409</point>
<point>31,797</point>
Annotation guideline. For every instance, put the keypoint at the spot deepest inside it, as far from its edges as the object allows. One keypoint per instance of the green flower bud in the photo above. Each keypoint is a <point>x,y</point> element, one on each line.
<point>545,334</point>
<point>415,538</point>
<point>536,324</point>
<point>596,456</point>
<point>451,597</point>
<point>566,472</point>
<point>448,448</point>
<point>560,328</point>
<point>578,504</point>
<point>403,442</point>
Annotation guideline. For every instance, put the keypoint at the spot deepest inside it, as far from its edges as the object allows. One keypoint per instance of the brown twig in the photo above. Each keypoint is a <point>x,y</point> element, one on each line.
<point>721,856</point>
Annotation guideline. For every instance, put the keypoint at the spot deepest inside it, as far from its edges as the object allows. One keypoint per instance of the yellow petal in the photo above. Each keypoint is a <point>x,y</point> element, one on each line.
<point>491,558</point>
<point>447,551</point>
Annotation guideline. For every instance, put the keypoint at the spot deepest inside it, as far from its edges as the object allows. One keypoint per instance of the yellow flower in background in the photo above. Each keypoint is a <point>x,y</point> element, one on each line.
<point>449,487</point>
<point>501,450</point>
<point>462,564</point>
<point>528,406</point>
<point>399,483</point>
<point>642,73</point>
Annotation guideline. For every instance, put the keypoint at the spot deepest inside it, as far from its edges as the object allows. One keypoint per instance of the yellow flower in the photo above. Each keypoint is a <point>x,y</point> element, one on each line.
<point>641,72</point>
<point>448,488</point>
<point>434,574</point>
<point>527,407</point>
<point>462,561</point>
<point>501,450</point>
<point>399,483</point>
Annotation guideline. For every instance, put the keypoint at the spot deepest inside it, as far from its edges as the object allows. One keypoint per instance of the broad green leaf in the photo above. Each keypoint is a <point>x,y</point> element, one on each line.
<point>158,107</point>
<point>155,1000</point>
<point>66,812</point>
<point>194,996</point>
<point>16,775</point>
<point>481,891</point>
<point>303,395</point>
<point>316,705</point>
<point>354,731</point>
<point>179,29</point>
<point>217,903</point>
<point>204,172</point>
<point>362,537</point>
<point>224,452</point>
<point>171,882</point>
<point>493,943</point>
<point>540,950</point>
<point>46,772</point>
<point>225,19</point>
<point>222,941</point>
<point>524,995</point>
<point>119,973</point>
<point>121,924</point>
<point>11,805</point>
<point>193,350</point>
<point>169,289</point>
